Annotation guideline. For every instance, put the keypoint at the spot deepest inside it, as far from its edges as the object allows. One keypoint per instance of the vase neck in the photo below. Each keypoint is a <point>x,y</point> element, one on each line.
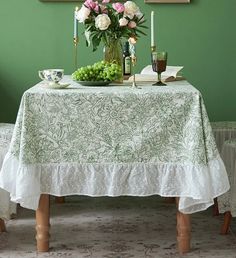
<point>112,42</point>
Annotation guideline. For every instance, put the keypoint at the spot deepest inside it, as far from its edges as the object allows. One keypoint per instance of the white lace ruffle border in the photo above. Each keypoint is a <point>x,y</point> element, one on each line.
<point>196,186</point>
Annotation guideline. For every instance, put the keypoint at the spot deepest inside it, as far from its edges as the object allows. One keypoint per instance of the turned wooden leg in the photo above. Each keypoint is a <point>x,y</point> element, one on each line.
<point>215,208</point>
<point>227,219</point>
<point>43,224</point>
<point>183,230</point>
<point>59,200</point>
<point>2,226</point>
<point>170,199</point>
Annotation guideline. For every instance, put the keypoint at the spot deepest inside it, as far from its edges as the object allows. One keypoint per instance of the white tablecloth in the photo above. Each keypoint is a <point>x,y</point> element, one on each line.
<point>114,141</point>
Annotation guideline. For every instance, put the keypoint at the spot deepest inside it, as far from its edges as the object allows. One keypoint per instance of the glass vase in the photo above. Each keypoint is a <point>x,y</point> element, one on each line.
<point>113,53</point>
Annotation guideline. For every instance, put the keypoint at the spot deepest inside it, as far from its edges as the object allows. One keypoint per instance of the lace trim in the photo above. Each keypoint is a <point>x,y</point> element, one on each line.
<point>195,185</point>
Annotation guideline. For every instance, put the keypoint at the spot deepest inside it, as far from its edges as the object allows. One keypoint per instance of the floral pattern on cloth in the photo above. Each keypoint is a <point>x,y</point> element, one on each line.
<point>115,141</point>
<point>113,125</point>
<point>6,131</point>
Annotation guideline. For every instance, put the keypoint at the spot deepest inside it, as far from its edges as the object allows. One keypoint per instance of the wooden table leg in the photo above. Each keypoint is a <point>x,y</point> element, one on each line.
<point>2,226</point>
<point>183,230</point>
<point>59,200</point>
<point>227,219</point>
<point>170,199</point>
<point>43,224</point>
<point>215,208</point>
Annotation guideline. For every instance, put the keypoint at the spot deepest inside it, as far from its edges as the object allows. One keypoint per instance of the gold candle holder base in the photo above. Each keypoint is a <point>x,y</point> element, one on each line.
<point>134,85</point>
<point>134,61</point>
<point>76,42</point>
<point>153,48</point>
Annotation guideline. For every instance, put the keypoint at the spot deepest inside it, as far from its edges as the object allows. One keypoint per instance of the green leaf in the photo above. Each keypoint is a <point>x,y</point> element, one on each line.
<point>95,41</point>
<point>141,32</point>
<point>143,26</point>
<point>87,34</point>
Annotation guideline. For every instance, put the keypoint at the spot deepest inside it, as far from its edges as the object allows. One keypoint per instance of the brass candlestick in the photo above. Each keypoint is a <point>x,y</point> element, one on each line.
<point>134,61</point>
<point>76,41</point>
<point>132,42</point>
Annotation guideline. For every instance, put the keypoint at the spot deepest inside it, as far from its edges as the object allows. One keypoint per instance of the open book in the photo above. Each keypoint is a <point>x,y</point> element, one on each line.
<point>172,73</point>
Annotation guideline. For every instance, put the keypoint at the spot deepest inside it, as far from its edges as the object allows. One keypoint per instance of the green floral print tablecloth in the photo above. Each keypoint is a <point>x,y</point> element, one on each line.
<point>114,141</point>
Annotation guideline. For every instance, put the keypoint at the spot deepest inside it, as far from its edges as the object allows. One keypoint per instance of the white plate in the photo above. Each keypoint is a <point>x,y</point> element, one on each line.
<point>57,86</point>
<point>94,83</point>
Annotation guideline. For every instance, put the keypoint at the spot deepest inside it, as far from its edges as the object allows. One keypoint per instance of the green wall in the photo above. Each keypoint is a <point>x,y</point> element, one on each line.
<point>201,36</point>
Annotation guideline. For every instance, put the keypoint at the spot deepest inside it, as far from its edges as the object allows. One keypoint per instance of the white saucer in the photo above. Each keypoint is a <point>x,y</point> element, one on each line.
<point>57,85</point>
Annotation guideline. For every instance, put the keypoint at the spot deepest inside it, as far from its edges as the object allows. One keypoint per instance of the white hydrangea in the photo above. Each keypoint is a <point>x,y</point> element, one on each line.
<point>130,9</point>
<point>82,14</point>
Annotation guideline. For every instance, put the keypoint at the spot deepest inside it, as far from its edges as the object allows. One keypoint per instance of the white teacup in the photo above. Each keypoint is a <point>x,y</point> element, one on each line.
<point>52,76</point>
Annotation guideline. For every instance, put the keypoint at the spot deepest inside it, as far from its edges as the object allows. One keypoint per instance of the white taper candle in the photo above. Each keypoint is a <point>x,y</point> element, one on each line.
<point>75,24</point>
<point>152,29</point>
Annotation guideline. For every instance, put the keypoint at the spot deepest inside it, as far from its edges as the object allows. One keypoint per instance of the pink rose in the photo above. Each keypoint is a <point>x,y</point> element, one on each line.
<point>132,24</point>
<point>119,7</point>
<point>105,1</point>
<point>91,4</point>
<point>96,8</point>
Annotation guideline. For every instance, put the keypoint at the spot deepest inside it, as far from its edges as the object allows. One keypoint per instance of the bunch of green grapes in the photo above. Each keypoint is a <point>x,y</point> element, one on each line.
<point>100,71</point>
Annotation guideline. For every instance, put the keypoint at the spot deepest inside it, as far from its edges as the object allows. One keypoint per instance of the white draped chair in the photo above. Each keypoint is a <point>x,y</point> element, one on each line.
<point>7,208</point>
<point>227,201</point>
<point>223,131</point>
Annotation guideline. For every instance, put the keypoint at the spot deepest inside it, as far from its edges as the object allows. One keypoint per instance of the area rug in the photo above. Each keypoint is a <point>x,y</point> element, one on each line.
<point>124,227</point>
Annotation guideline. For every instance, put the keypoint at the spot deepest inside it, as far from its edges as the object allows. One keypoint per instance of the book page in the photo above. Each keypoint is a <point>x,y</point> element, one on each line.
<point>147,74</point>
<point>170,71</point>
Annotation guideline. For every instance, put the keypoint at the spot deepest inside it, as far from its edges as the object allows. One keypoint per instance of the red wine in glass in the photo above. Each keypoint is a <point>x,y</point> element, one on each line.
<point>159,62</point>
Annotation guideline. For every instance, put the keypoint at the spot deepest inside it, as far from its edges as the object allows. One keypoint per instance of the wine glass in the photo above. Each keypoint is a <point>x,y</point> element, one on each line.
<point>159,61</point>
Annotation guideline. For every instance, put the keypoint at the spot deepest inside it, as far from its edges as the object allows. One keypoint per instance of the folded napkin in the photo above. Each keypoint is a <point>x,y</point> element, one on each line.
<point>171,74</point>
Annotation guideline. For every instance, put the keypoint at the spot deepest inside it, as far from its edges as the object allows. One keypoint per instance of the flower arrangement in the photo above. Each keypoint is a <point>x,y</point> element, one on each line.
<point>107,22</point>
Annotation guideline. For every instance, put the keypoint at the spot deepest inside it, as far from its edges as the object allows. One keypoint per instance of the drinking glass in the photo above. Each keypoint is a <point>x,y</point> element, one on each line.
<point>159,61</point>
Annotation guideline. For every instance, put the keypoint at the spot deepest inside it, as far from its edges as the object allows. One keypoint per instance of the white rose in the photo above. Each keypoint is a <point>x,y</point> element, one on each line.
<point>82,14</point>
<point>130,9</point>
<point>123,22</point>
<point>102,21</point>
